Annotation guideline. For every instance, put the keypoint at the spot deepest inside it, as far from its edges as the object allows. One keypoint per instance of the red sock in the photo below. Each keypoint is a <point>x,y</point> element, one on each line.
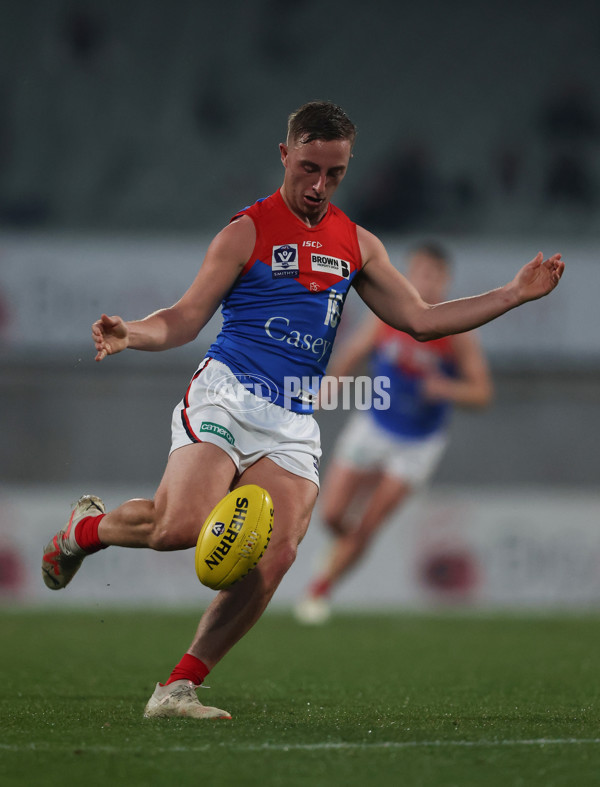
<point>86,534</point>
<point>320,587</point>
<point>189,668</point>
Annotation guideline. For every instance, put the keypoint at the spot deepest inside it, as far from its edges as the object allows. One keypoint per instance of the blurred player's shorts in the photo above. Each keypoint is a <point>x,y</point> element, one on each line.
<point>364,445</point>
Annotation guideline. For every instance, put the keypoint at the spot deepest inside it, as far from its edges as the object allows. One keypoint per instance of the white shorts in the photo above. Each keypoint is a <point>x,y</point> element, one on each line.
<point>364,445</point>
<point>218,409</point>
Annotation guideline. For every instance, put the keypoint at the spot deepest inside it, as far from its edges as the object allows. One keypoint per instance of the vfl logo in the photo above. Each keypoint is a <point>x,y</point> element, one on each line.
<point>284,262</point>
<point>218,528</point>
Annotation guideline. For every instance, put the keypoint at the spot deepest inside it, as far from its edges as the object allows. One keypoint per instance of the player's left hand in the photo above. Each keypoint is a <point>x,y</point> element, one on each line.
<point>538,277</point>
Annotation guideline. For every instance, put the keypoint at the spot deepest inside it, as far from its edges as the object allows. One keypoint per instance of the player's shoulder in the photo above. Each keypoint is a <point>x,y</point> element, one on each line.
<point>367,236</point>
<point>371,246</point>
<point>262,206</point>
<point>236,238</point>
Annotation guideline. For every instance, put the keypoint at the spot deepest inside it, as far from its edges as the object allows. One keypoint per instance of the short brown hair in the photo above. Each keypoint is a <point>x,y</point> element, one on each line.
<point>435,250</point>
<point>320,120</point>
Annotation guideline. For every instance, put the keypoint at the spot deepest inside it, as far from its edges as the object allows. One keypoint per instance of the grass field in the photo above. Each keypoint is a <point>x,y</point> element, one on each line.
<point>368,700</point>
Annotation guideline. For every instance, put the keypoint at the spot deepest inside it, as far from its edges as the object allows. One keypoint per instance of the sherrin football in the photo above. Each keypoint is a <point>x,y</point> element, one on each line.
<point>234,536</point>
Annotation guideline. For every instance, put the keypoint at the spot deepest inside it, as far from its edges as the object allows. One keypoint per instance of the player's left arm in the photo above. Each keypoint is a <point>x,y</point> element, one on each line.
<point>395,301</point>
<point>472,386</point>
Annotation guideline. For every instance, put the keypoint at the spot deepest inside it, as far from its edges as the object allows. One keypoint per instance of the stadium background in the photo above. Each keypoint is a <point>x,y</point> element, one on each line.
<point>130,132</point>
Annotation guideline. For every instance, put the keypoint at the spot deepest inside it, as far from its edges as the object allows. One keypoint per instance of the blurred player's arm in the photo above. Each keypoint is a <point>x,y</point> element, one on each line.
<point>472,387</point>
<point>179,324</point>
<point>355,349</point>
<point>394,300</point>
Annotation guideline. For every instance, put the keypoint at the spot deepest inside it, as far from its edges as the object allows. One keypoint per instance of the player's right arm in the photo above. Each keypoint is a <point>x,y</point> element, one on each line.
<point>179,324</point>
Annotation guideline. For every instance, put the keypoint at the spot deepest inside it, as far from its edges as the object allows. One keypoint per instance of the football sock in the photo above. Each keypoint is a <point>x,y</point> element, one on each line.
<point>86,534</point>
<point>320,587</point>
<point>189,668</point>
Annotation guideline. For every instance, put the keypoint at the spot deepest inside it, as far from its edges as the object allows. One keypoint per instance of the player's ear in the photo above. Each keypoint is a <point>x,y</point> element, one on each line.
<point>283,150</point>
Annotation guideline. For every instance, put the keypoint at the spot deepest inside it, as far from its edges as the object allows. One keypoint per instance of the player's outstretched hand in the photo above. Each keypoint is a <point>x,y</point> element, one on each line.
<point>110,335</point>
<point>538,277</point>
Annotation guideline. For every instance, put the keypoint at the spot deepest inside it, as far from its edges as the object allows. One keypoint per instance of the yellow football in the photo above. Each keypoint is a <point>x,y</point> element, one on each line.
<point>234,536</point>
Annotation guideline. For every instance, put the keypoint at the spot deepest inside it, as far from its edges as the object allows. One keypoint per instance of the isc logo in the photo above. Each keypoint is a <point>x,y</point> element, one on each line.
<point>284,261</point>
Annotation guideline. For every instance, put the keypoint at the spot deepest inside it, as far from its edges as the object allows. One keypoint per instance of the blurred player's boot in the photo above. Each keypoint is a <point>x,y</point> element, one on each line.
<point>313,610</point>
<point>63,555</point>
<point>179,699</point>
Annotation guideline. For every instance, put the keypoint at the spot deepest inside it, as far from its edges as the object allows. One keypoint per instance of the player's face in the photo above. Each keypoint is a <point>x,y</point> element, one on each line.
<point>429,276</point>
<point>313,171</point>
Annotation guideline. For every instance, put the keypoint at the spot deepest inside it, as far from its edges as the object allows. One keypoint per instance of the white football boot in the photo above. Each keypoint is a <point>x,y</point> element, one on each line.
<point>180,699</point>
<point>313,611</point>
<point>63,555</point>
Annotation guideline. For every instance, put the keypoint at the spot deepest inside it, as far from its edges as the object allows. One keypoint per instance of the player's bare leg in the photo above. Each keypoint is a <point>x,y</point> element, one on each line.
<point>385,495</point>
<point>340,500</point>
<point>234,611</point>
<point>342,489</point>
<point>348,549</point>
<point>196,477</point>
<point>171,521</point>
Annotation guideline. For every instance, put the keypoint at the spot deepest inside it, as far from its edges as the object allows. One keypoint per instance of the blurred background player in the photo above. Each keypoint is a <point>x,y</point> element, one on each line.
<point>384,455</point>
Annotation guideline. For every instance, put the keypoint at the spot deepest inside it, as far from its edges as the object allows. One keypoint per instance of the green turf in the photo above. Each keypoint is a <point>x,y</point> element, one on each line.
<point>368,700</point>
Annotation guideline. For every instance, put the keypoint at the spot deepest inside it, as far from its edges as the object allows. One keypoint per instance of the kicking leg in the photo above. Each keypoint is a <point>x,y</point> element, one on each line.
<point>196,478</point>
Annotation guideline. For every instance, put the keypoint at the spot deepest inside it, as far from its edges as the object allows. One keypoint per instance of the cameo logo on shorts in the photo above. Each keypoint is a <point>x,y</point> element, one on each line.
<point>218,528</point>
<point>325,264</point>
<point>242,392</point>
<point>209,426</point>
<point>284,262</point>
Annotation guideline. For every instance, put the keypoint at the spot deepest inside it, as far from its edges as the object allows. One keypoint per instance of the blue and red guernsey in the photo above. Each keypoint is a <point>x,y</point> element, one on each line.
<point>406,362</point>
<point>281,316</point>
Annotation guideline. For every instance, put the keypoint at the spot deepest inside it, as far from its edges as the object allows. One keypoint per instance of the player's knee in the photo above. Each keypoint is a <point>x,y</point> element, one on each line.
<point>363,536</point>
<point>334,522</point>
<point>287,555</point>
<point>280,560</point>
